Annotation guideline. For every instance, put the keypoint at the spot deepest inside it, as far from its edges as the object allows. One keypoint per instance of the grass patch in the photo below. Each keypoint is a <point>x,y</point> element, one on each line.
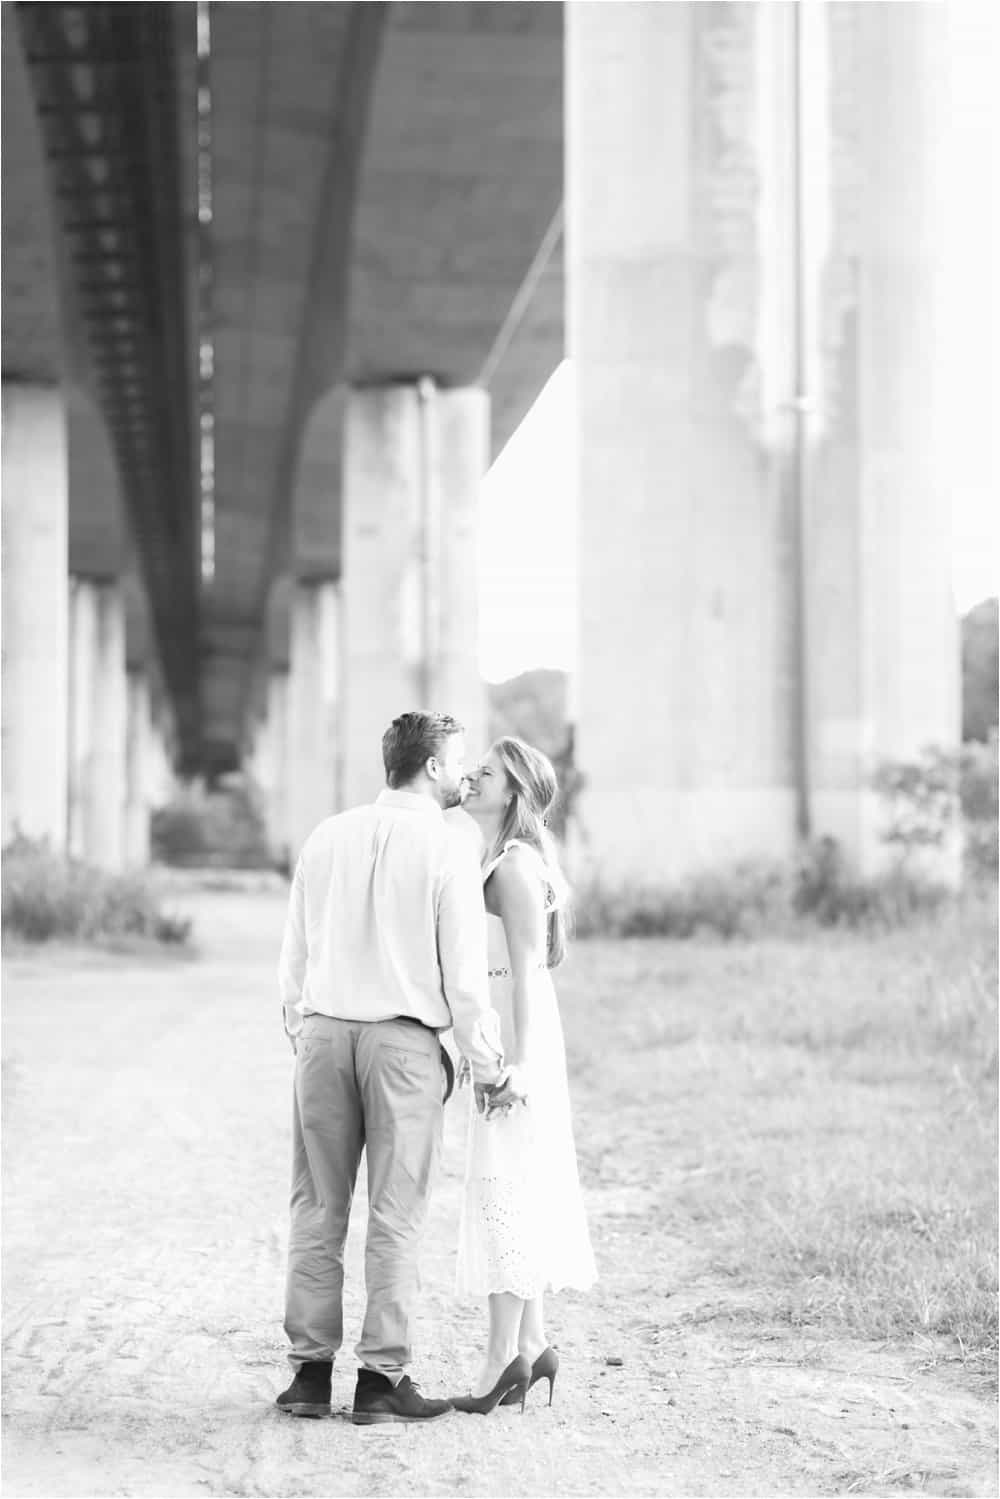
<point>755,898</point>
<point>46,896</point>
<point>823,1112</point>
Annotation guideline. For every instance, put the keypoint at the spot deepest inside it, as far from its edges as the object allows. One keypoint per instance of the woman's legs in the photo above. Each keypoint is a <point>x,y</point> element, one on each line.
<point>506,1312</point>
<point>531,1339</point>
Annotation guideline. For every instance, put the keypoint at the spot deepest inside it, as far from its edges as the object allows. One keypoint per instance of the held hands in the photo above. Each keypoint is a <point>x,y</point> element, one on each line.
<point>494,1099</point>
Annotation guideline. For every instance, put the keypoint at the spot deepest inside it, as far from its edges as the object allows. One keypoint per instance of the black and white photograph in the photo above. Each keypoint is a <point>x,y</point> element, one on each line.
<point>500,569</point>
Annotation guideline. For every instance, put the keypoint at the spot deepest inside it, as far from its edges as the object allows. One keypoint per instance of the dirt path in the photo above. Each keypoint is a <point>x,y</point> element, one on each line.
<point>144,1226</point>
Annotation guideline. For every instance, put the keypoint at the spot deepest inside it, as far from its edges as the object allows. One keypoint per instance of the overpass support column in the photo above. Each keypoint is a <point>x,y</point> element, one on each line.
<point>98,723</point>
<point>414,459</point>
<point>883,630</point>
<point>162,758</point>
<point>313,689</point>
<point>140,769</point>
<point>679,339</point>
<point>267,764</point>
<point>275,767</point>
<point>35,551</point>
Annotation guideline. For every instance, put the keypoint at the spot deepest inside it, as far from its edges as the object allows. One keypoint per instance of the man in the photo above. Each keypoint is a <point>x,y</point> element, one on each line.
<point>384,947</point>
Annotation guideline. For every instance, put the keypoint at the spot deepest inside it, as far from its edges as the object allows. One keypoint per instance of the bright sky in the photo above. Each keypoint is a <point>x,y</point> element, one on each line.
<point>527,565</point>
<point>528,540</point>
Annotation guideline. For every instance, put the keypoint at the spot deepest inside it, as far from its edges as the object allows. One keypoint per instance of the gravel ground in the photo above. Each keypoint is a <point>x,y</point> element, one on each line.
<point>146,1152</point>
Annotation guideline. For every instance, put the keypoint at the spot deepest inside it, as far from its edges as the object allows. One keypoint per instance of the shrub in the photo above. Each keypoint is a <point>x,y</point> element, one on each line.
<point>754,898</point>
<point>826,890</point>
<point>218,827</point>
<point>927,799</point>
<point>979,799</point>
<point>923,802</point>
<point>47,896</point>
<point>738,902</point>
<point>920,799</point>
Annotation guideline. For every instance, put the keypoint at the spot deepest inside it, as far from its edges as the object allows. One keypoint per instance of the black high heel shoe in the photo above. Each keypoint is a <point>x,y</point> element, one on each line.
<point>510,1387</point>
<point>546,1366</point>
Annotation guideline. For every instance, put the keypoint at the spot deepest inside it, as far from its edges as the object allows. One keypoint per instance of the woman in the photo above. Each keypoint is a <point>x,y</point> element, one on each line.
<point>523,1229</point>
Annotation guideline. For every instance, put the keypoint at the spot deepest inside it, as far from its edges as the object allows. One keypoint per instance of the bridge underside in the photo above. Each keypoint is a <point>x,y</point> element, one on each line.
<point>384,178</point>
<point>110,86</point>
<point>281,278</point>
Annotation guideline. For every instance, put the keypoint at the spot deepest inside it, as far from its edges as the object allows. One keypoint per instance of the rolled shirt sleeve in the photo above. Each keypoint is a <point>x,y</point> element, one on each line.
<point>461,926</point>
<point>292,962</point>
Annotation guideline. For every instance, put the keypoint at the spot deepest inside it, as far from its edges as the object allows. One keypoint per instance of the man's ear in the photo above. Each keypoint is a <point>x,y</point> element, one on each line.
<point>432,767</point>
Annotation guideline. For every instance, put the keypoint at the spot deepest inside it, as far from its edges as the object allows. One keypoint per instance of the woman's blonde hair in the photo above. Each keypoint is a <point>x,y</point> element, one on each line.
<point>534,788</point>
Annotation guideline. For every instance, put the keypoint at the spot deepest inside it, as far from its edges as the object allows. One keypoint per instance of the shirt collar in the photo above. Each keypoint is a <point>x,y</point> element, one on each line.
<point>410,800</point>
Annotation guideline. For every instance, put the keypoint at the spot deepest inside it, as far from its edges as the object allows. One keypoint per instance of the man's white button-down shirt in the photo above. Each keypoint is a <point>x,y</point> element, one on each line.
<point>386,918</point>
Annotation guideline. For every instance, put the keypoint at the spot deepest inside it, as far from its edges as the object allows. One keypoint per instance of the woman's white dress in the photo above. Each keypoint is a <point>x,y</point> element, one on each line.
<point>523,1226</point>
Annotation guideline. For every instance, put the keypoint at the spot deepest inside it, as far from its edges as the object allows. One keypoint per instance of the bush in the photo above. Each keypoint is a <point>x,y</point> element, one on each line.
<point>923,801</point>
<point>47,896</point>
<point>927,799</point>
<point>755,898</point>
<point>920,800</point>
<point>979,800</point>
<point>218,827</point>
<point>739,902</point>
<point>826,890</point>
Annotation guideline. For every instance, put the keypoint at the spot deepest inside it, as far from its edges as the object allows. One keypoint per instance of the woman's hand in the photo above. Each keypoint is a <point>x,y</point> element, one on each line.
<point>512,1089</point>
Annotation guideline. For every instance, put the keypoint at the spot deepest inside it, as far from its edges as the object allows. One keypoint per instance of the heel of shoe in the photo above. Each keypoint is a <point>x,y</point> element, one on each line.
<point>522,1390</point>
<point>547,1367</point>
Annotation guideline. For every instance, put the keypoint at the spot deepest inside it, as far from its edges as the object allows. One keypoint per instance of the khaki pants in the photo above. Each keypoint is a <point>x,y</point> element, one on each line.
<point>360,1085</point>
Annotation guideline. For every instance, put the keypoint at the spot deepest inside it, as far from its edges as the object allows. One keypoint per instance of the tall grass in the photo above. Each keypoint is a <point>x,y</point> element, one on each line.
<point>47,896</point>
<point>756,897</point>
<point>824,1112</point>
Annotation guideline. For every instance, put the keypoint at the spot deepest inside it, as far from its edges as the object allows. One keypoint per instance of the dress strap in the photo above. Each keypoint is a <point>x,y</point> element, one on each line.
<point>551,894</point>
<point>511,843</point>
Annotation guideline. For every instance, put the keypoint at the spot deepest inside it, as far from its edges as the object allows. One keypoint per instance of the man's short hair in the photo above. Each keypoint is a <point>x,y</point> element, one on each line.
<point>410,741</point>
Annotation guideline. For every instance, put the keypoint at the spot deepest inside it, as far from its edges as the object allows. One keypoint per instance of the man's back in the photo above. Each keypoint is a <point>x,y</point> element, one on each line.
<point>386,919</point>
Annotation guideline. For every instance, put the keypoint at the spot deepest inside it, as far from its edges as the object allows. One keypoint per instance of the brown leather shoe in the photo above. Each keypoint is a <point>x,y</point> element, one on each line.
<point>377,1399</point>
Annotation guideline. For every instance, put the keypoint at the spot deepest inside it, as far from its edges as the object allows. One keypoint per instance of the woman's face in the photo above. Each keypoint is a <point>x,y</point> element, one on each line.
<point>489,790</point>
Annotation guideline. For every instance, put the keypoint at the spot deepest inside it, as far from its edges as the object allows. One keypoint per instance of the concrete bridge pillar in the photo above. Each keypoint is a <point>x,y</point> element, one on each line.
<point>35,612</point>
<point>312,709</point>
<point>274,770</point>
<point>149,773</point>
<point>882,625</point>
<point>414,459</point>
<point>732,675</point>
<point>98,723</point>
<point>161,757</point>
<point>685,695</point>
<point>267,761</point>
<point>140,755</point>
<point>270,760</point>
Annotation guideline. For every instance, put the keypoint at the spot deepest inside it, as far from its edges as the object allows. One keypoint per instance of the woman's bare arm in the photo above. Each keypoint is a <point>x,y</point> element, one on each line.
<point>515,893</point>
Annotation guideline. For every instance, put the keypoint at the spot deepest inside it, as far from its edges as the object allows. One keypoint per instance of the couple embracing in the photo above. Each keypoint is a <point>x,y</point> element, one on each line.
<point>397,931</point>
